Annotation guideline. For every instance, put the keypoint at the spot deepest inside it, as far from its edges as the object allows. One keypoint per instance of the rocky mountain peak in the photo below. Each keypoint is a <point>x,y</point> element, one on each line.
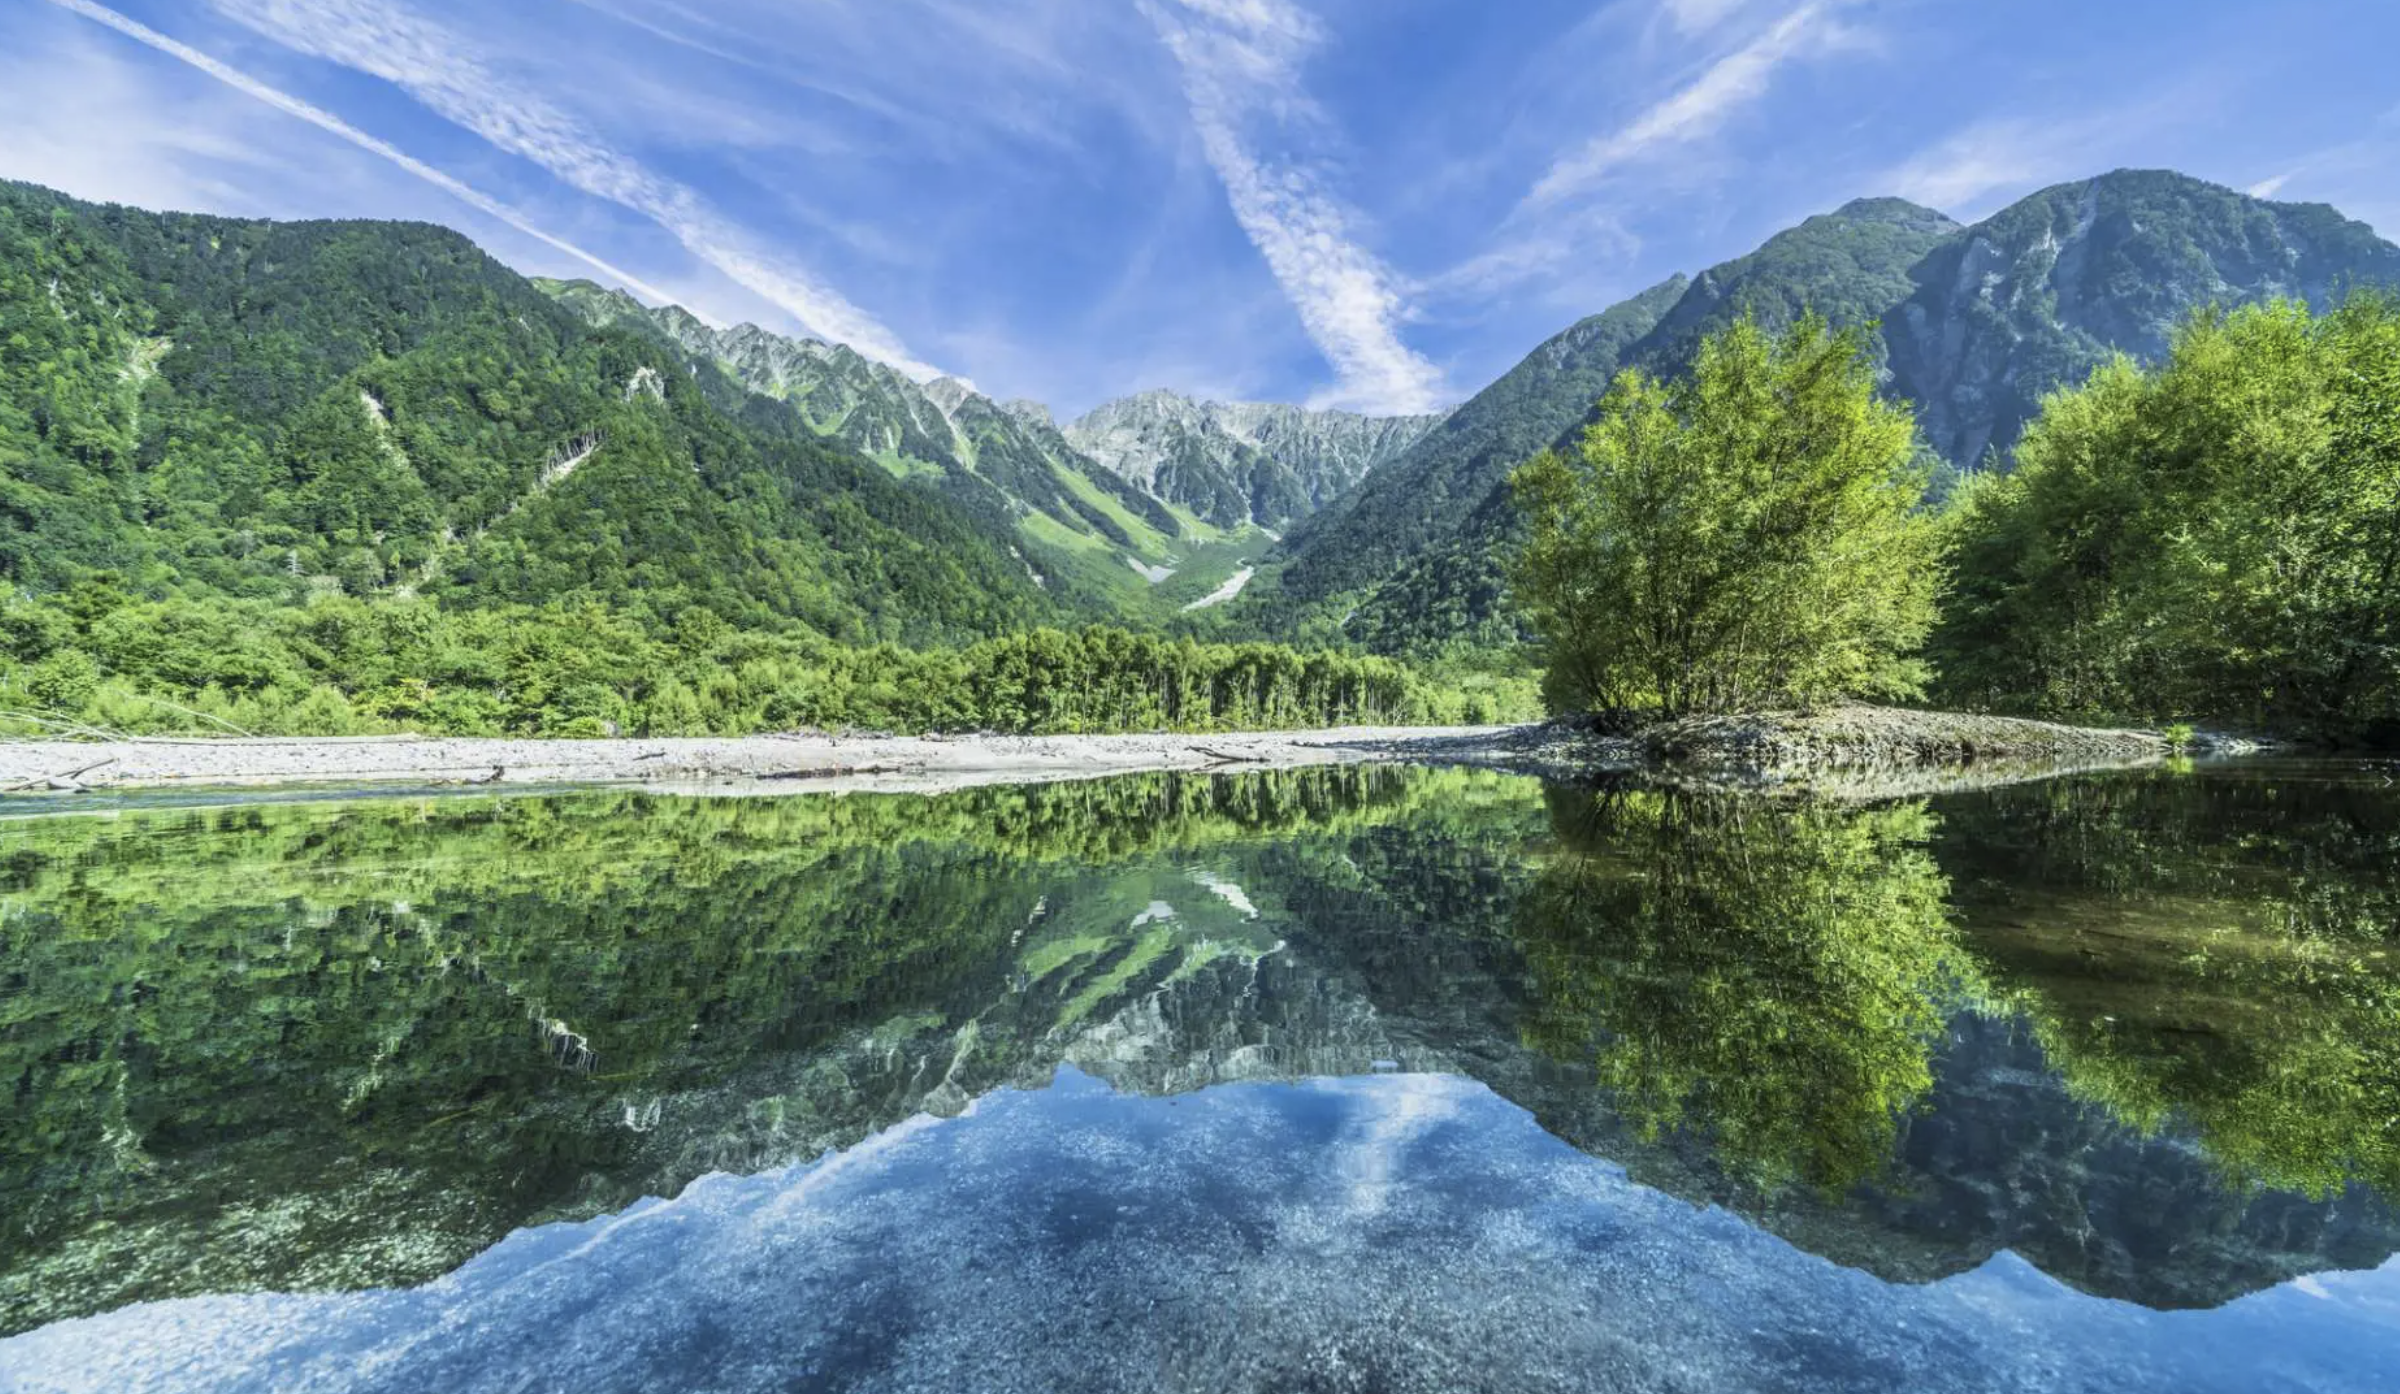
<point>2046,290</point>
<point>952,393</point>
<point>1031,412</point>
<point>1237,462</point>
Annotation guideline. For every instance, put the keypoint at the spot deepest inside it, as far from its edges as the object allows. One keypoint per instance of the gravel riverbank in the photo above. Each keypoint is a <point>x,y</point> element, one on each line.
<point>759,763</point>
<point>1843,751</point>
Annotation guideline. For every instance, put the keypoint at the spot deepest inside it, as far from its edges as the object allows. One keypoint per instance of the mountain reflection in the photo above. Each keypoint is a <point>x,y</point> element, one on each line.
<point>2142,1029</point>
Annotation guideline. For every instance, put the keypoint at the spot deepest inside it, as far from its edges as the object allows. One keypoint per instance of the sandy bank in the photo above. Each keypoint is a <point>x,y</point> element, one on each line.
<point>746,763</point>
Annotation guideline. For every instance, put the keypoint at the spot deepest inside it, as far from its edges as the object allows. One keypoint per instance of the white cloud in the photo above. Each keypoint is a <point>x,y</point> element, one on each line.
<point>92,120</point>
<point>2004,155</point>
<point>431,65</point>
<point>1699,110</point>
<point>1980,166</point>
<point>1568,226</point>
<point>1699,16</point>
<point>2354,176</point>
<point>1240,61</point>
<point>1540,258</point>
<point>1962,172</point>
<point>327,121</point>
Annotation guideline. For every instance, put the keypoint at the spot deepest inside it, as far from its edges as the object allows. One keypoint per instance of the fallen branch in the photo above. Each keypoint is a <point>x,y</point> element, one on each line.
<point>70,777</point>
<point>1221,758</point>
<point>204,716</point>
<point>833,772</point>
<point>56,722</point>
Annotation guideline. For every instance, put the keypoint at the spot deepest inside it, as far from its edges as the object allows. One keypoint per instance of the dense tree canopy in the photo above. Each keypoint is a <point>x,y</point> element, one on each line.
<point>223,407</point>
<point>340,666</point>
<point>1748,534</point>
<point>2218,538</point>
<point>1775,979</point>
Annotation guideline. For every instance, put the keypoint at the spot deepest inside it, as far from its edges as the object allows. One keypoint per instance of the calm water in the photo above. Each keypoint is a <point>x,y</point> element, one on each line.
<point>1342,1080</point>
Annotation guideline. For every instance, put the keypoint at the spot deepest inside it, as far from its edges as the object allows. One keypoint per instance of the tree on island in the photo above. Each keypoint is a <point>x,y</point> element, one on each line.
<point>1749,535</point>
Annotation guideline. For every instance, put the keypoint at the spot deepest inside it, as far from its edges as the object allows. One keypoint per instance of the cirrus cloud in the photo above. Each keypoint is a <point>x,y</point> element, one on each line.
<point>438,69</point>
<point>1240,61</point>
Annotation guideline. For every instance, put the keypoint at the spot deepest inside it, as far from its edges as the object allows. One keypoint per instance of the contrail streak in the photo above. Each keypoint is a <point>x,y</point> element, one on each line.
<point>327,121</point>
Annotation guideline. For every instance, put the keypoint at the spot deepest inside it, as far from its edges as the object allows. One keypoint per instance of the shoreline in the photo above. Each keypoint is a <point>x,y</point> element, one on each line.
<point>1845,752</point>
<point>713,764</point>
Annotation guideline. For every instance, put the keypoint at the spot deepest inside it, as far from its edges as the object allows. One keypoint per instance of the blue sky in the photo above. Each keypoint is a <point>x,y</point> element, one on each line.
<point>1377,204</point>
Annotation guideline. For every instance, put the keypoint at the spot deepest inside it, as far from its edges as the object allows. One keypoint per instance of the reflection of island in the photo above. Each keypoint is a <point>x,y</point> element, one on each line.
<point>311,1046</point>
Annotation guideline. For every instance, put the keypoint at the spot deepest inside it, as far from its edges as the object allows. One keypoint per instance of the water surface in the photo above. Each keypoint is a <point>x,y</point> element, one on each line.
<point>1348,1078</point>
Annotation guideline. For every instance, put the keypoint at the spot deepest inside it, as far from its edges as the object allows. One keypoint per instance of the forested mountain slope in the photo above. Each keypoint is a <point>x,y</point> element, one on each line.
<point>987,454</point>
<point>1419,547</point>
<point>1972,326</point>
<point>2038,295</point>
<point>1848,264</point>
<point>205,405</point>
<point>1096,534</point>
<point>1430,488</point>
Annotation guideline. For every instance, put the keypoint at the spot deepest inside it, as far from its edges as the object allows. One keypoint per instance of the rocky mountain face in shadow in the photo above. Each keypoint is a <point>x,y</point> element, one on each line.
<point>2041,293</point>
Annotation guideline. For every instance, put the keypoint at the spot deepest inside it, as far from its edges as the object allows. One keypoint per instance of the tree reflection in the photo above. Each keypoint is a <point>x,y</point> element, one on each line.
<point>1772,977</point>
<point>402,1027</point>
<point>2214,954</point>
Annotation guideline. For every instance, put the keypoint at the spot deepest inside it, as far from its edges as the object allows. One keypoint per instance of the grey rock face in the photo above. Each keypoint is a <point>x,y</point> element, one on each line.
<point>2037,296</point>
<point>1003,460</point>
<point>1241,462</point>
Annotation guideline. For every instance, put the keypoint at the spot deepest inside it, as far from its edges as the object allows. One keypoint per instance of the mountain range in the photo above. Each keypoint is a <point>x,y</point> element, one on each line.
<point>213,405</point>
<point>1264,463</point>
<point>1171,486</point>
<point>1973,325</point>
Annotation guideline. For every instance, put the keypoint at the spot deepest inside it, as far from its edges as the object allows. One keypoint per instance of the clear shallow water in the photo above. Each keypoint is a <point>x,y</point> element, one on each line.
<point>1331,1079</point>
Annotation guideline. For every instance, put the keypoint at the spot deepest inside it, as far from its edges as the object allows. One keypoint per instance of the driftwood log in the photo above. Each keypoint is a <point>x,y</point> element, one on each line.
<point>1219,757</point>
<point>69,781</point>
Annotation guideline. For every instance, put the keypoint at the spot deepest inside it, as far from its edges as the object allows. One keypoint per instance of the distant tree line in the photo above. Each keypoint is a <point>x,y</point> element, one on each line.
<point>94,659</point>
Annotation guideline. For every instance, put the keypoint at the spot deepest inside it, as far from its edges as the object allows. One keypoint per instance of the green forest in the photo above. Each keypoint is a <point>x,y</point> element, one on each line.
<point>340,478</point>
<point>348,478</point>
<point>2212,539</point>
<point>2215,538</point>
<point>340,666</point>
